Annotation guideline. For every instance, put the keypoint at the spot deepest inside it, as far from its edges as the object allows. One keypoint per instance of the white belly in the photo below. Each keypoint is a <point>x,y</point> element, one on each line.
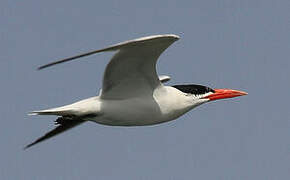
<point>133,112</point>
<point>162,107</point>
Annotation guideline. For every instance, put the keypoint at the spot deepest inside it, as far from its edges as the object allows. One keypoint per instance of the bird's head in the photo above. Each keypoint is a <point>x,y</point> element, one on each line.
<point>202,94</point>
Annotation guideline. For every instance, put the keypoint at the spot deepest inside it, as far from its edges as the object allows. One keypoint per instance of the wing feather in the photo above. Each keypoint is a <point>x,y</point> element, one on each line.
<point>110,48</point>
<point>132,70</point>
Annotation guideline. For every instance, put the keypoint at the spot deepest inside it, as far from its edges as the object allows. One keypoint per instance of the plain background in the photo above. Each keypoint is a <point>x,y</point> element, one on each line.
<point>238,44</point>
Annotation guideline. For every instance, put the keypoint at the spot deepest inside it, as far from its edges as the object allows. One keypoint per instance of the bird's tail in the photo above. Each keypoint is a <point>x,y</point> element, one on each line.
<point>59,111</point>
<point>80,108</point>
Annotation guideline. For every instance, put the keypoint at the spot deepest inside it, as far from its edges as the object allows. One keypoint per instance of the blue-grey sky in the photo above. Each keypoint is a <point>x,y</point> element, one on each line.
<point>238,44</point>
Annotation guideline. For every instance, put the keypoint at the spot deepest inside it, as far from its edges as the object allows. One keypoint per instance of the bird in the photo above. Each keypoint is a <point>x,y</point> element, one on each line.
<point>132,93</point>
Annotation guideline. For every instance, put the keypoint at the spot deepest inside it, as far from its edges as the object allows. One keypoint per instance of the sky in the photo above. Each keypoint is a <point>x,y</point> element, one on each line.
<point>237,44</point>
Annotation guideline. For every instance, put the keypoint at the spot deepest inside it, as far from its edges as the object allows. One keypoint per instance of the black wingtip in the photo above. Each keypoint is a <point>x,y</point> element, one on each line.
<point>28,146</point>
<point>40,67</point>
<point>50,64</point>
<point>71,58</point>
<point>43,67</point>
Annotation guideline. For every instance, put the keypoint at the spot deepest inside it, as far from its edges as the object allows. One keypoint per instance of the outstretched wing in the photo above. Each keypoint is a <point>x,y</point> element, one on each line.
<point>131,72</point>
<point>63,124</point>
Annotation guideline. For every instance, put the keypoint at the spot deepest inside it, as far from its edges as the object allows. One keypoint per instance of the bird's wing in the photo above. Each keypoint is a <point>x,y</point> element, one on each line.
<point>131,72</point>
<point>63,124</point>
<point>162,79</point>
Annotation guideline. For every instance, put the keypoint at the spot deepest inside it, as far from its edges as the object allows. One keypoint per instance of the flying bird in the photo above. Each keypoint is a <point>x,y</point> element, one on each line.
<point>132,93</point>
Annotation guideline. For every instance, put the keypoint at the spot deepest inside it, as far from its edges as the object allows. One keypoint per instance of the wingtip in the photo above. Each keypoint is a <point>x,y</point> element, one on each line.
<point>27,146</point>
<point>39,68</point>
<point>111,48</point>
<point>45,66</point>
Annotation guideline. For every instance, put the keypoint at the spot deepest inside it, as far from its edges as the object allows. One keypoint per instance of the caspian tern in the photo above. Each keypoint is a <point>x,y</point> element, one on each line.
<point>133,94</point>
